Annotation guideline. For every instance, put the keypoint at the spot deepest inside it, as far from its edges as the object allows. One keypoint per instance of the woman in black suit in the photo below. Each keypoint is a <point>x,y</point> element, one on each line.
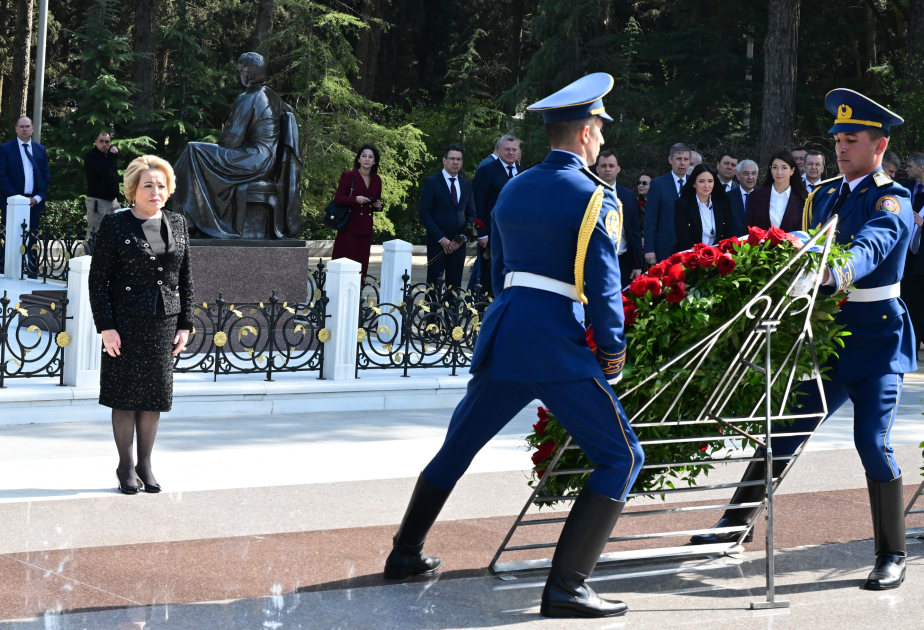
<point>779,202</point>
<point>141,294</point>
<point>702,213</point>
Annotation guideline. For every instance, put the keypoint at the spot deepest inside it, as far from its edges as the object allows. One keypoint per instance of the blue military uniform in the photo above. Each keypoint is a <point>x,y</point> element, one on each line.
<point>555,237</point>
<point>875,222</point>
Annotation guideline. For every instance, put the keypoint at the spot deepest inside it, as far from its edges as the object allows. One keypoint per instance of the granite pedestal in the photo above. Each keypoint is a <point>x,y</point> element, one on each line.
<point>248,271</point>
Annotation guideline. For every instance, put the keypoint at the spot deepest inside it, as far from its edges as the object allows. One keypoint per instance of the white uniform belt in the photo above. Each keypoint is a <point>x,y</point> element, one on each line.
<point>535,281</point>
<point>876,294</point>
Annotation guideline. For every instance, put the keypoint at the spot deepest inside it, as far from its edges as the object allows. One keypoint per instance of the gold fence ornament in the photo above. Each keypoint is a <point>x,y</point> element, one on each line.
<point>324,335</point>
<point>458,333</point>
<point>220,339</point>
<point>63,339</point>
<point>361,335</point>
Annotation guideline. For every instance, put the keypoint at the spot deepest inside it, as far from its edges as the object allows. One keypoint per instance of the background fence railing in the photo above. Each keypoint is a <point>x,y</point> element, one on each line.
<point>32,340</point>
<point>265,338</point>
<point>432,327</point>
<point>45,254</point>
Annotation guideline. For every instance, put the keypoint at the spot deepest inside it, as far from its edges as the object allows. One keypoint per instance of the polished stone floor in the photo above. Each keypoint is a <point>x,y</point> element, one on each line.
<point>284,522</point>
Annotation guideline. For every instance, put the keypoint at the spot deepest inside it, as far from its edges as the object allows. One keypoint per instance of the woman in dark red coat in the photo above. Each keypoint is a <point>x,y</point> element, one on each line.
<point>361,190</point>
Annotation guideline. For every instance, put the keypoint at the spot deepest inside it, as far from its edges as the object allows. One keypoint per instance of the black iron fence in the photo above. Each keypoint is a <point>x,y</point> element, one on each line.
<point>32,340</point>
<point>266,338</point>
<point>431,327</point>
<point>45,254</point>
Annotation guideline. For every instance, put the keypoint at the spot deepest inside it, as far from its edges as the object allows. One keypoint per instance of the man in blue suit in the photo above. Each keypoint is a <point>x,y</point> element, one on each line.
<point>739,193</point>
<point>659,209</point>
<point>23,171</point>
<point>554,241</point>
<point>631,254</point>
<point>447,210</point>
<point>875,221</point>
<point>489,180</point>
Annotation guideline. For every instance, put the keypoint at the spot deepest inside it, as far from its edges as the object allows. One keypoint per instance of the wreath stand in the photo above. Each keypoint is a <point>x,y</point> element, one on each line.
<point>754,354</point>
<point>918,532</point>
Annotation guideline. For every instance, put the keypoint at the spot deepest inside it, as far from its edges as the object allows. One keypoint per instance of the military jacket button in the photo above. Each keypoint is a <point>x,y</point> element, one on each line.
<point>127,241</point>
<point>885,317</point>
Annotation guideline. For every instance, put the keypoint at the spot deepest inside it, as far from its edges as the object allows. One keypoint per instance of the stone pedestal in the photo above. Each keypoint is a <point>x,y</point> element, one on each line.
<point>17,211</point>
<point>245,272</point>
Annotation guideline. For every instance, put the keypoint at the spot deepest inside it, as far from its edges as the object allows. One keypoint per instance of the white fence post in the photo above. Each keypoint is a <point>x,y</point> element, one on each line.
<point>397,258</point>
<point>83,354</point>
<point>342,287</point>
<point>17,210</point>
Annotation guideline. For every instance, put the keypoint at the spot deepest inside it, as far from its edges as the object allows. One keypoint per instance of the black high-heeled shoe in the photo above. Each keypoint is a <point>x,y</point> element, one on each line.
<point>152,488</point>
<point>125,489</point>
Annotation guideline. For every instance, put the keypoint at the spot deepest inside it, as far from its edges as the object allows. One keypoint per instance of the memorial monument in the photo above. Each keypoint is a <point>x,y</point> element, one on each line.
<point>242,198</point>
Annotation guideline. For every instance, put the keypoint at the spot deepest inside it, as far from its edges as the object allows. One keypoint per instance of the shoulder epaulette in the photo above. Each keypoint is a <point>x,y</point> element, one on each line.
<point>807,209</point>
<point>596,179</point>
<point>881,179</point>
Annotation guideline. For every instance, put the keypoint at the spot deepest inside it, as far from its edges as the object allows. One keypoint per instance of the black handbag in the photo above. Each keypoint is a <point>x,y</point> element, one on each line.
<point>336,217</point>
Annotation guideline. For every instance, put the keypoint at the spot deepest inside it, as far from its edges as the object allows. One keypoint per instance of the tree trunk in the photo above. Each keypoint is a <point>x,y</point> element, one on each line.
<point>516,40</point>
<point>912,85</point>
<point>22,60</point>
<point>367,48</point>
<point>780,61</point>
<point>145,48</point>
<point>265,14</point>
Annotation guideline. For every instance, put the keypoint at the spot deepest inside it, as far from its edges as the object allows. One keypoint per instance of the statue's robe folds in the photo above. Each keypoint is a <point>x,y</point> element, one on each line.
<point>259,144</point>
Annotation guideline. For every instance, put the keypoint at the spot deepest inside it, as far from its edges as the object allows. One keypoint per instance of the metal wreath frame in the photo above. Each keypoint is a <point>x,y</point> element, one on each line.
<point>767,315</point>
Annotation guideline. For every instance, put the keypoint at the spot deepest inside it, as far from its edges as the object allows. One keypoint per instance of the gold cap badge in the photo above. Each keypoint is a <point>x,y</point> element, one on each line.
<point>844,112</point>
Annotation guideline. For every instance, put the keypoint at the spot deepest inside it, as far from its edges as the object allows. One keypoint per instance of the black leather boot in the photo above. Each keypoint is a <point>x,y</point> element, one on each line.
<point>756,471</point>
<point>887,504</point>
<point>407,557</point>
<point>582,540</point>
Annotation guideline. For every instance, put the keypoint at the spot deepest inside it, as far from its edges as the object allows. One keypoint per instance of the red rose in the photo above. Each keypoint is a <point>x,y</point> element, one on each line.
<point>544,451</point>
<point>708,256</point>
<point>690,260</point>
<point>699,246</point>
<point>728,245</point>
<point>725,264</point>
<point>657,270</point>
<point>677,293</point>
<point>675,259</point>
<point>639,286</point>
<point>543,413</point>
<point>674,274</point>
<point>589,336</point>
<point>775,236</point>
<point>840,303</point>
<point>539,427</point>
<point>755,236</point>
<point>653,285</point>
<point>630,311</point>
<point>479,223</point>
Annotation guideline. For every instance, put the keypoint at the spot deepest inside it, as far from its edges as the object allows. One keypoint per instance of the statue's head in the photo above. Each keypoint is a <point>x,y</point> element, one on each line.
<point>252,68</point>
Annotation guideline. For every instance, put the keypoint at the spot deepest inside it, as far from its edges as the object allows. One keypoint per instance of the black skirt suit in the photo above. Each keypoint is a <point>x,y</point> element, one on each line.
<point>688,226</point>
<point>146,298</point>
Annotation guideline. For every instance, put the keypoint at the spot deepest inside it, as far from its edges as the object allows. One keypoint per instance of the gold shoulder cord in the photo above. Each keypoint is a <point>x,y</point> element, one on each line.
<point>591,214</point>
<point>807,209</point>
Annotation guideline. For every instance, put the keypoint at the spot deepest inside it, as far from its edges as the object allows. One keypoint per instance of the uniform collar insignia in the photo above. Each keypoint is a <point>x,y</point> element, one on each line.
<point>863,190</point>
<point>881,179</point>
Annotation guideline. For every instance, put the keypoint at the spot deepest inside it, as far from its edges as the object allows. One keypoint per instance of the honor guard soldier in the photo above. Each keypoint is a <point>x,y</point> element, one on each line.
<point>875,221</point>
<point>554,242</point>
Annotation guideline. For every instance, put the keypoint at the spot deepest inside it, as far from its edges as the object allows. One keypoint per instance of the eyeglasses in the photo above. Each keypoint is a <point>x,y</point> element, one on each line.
<point>642,182</point>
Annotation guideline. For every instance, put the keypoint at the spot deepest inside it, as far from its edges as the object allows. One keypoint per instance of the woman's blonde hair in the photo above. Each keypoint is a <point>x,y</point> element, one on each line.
<point>147,163</point>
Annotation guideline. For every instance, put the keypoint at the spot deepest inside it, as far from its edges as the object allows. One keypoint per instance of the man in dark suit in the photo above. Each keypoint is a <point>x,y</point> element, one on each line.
<point>912,289</point>
<point>739,195</point>
<point>24,171</point>
<point>659,209</point>
<point>631,254</point>
<point>447,210</point>
<point>489,180</point>
<point>727,169</point>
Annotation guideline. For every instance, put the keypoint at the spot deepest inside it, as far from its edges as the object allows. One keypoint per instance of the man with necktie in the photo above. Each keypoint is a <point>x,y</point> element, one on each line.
<point>874,221</point>
<point>814,169</point>
<point>739,195</point>
<point>489,180</point>
<point>23,171</point>
<point>659,208</point>
<point>447,210</point>
<point>913,277</point>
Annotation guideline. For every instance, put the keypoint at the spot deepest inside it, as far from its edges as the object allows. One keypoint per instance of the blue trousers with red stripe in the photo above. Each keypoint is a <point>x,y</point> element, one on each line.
<point>875,403</point>
<point>587,408</point>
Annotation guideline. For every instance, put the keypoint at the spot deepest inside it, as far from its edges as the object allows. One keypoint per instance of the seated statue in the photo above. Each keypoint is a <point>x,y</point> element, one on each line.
<point>247,185</point>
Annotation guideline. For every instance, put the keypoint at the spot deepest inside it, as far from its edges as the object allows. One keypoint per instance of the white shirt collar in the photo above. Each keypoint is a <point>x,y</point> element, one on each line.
<point>676,177</point>
<point>853,184</point>
<point>580,157</point>
<point>514,165</point>
<point>447,176</point>
<point>28,142</point>
<point>784,194</point>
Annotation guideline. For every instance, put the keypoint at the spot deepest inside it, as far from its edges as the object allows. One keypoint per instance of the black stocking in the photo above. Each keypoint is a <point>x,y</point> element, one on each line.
<point>147,422</point>
<point>123,430</point>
